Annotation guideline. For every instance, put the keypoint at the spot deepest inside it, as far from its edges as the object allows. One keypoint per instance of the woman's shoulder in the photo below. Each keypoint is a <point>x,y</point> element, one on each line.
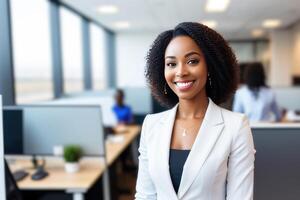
<point>233,118</point>
<point>154,117</point>
<point>236,124</point>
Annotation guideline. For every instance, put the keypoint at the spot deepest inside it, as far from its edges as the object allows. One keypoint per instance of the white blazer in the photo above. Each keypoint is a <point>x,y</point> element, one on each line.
<point>220,164</point>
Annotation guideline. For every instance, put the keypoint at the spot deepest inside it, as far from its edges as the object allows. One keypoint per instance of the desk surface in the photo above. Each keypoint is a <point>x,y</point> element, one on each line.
<point>58,179</point>
<point>113,150</point>
<point>90,168</point>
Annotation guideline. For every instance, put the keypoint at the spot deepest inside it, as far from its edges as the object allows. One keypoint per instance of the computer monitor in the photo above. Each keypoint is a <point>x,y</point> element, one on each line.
<point>13,130</point>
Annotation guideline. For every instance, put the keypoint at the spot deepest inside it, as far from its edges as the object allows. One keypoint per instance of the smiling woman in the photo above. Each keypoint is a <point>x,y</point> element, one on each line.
<point>220,60</point>
<point>185,68</point>
<point>196,150</point>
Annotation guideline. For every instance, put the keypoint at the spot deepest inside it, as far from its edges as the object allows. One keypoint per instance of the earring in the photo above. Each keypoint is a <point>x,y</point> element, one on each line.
<point>209,79</point>
<point>165,89</point>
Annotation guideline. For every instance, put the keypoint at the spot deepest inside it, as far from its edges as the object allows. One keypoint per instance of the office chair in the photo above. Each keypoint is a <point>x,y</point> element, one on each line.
<point>12,190</point>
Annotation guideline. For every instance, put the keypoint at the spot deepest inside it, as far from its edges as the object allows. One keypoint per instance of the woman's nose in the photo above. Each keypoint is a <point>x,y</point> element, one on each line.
<point>181,70</point>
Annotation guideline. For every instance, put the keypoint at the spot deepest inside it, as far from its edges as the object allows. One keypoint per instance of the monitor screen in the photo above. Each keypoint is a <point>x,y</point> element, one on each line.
<point>13,131</point>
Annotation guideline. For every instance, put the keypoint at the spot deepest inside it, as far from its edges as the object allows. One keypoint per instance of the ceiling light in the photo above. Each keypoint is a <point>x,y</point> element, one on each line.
<point>257,32</point>
<point>271,23</point>
<point>107,9</point>
<point>216,5</point>
<point>122,25</point>
<point>209,23</point>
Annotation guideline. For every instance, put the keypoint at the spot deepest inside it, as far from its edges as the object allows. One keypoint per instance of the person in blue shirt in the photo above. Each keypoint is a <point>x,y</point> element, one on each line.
<point>124,117</point>
<point>122,111</point>
<point>255,98</point>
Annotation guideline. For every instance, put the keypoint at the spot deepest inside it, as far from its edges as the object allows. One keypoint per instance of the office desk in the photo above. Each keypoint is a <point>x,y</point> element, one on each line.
<point>91,169</point>
<point>77,184</point>
<point>113,150</point>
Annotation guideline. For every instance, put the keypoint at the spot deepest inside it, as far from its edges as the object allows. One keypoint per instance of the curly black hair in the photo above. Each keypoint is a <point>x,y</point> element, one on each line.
<point>221,63</point>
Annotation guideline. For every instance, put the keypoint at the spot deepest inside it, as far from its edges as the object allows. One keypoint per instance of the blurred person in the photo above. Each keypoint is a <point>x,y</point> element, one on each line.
<point>196,149</point>
<point>122,111</point>
<point>255,98</point>
<point>124,117</point>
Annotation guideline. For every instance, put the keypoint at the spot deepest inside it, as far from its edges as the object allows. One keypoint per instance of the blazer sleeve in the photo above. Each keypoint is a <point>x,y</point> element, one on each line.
<point>240,175</point>
<point>145,189</point>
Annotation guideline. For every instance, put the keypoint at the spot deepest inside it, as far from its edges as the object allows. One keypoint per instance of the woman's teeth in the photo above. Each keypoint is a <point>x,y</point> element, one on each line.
<point>184,84</point>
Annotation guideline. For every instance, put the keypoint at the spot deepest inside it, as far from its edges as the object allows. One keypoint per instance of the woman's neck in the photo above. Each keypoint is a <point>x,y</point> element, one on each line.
<point>192,109</point>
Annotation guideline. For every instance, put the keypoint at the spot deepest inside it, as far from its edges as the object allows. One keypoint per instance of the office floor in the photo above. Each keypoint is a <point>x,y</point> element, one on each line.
<point>130,180</point>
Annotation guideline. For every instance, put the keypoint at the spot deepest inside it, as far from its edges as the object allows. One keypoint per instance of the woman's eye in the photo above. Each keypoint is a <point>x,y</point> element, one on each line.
<point>193,62</point>
<point>171,64</point>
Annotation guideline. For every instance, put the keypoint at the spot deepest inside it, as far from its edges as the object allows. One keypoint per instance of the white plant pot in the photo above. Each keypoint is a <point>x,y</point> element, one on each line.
<point>72,167</point>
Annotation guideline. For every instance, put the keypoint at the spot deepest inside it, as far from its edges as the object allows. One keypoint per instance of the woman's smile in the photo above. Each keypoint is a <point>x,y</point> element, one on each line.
<point>184,85</point>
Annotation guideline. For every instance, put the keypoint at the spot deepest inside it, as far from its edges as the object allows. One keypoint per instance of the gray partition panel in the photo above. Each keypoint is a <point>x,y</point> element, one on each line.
<point>47,126</point>
<point>277,163</point>
<point>288,97</point>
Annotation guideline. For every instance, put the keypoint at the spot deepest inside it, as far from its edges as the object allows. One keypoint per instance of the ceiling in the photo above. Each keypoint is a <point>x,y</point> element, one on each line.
<point>236,22</point>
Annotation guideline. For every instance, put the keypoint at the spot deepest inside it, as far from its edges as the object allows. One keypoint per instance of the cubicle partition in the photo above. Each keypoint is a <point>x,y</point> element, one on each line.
<point>105,102</point>
<point>48,126</point>
<point>277,161</point>
<point>288,97</point>
<point>139,98</point>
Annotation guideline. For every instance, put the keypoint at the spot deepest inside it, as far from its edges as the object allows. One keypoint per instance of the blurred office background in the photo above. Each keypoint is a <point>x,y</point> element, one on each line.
<point>52,50</point>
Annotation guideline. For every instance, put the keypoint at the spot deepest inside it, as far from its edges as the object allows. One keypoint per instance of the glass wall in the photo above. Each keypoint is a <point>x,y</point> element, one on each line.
<point>98,57</point>
<point>31,50</point>
<point>71,38</point>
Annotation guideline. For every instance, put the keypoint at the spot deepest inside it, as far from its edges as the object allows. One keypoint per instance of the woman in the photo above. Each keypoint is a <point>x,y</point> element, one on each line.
<point>196,150</point>
<point>255,99</point>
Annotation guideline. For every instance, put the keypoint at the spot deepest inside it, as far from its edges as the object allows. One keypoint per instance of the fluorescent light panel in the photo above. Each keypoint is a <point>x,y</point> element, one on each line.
<point>108,9</point>
<point>216,5</point>
<point>271,23</point>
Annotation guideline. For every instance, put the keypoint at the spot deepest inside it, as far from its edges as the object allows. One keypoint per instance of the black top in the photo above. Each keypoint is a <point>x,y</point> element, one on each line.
<point>177,159</point>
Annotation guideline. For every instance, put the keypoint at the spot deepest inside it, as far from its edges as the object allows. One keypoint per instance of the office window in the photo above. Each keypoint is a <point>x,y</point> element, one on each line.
<point>31,50</point>
<point>71,34</point>
<point>98,56</point>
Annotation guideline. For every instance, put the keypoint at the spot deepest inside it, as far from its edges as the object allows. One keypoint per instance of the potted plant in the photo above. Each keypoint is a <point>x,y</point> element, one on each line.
<point>72,154</point>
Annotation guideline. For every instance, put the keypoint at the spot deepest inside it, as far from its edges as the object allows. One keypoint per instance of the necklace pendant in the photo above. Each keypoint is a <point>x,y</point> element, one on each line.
<point>184,133</point>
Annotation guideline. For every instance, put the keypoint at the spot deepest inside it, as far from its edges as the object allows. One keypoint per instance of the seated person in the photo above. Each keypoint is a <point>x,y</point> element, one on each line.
<point>122,111</point>
<point>124,117</point>
<point>255,98</point>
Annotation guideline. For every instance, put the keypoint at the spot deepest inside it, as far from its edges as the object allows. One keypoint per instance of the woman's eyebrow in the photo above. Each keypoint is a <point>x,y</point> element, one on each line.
<point>187,55</point>
<point>172,57</point>
<point>192,53</point>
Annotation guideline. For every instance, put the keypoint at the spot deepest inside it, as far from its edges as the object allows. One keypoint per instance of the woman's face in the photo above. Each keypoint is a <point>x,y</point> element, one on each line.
<point>185,68</point>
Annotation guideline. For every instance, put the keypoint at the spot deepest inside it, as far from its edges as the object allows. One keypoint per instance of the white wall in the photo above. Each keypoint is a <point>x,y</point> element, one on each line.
<point>296,50</point>
<point>285,55</point>
<point>281,58</point>
<point>131,50</point>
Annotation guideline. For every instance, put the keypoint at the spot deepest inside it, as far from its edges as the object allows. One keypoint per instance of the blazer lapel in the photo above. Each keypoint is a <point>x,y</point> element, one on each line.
<point>163,149</point>
<point>209,132</point>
